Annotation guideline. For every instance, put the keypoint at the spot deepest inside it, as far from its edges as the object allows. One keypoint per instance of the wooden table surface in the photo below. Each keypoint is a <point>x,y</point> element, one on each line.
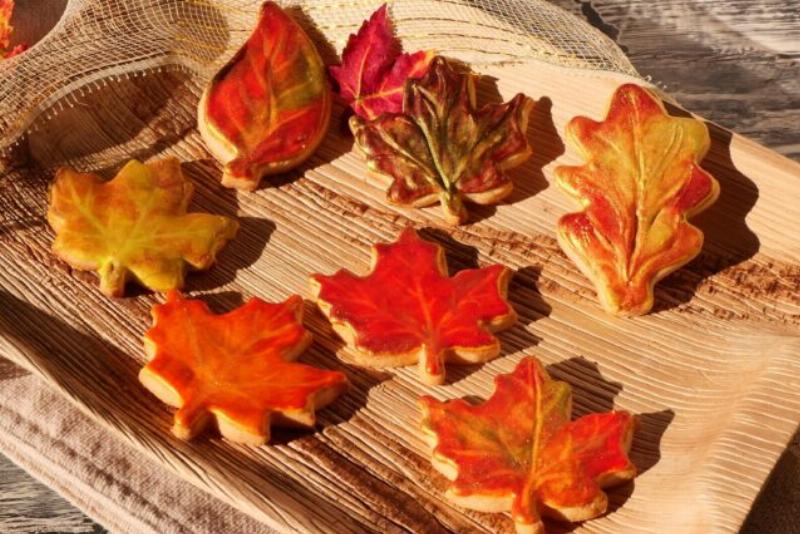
<point>735,62</point>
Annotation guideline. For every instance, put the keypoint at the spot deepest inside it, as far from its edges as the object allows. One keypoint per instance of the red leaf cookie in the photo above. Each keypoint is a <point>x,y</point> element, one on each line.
<point>519,451</point>
<point>237,368</point>
<point>374,71</point>
<point>641,181</point>
<point>408,310</point>
<point>268,109</point>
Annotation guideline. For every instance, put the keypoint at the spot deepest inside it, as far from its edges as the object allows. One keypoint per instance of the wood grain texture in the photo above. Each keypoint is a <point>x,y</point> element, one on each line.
<point>736,62</point>
<point>756,277</point>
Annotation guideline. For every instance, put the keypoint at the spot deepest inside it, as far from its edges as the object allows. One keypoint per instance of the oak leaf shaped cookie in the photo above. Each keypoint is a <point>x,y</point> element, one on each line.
<point>441,148</point>
<point>641,181</point>
<point>267,110</point>
<point>408,310</point>
<point>374,71</point>
<point>519,451</point>
<point>237,368</point>
<point>134,225</point>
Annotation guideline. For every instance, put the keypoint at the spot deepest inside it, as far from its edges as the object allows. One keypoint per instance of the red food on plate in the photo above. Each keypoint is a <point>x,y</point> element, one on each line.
<point>408,310</point>
<point>519,451</point>
<point>236,369</point>
<point>641,181</point>
<point>268,109</point>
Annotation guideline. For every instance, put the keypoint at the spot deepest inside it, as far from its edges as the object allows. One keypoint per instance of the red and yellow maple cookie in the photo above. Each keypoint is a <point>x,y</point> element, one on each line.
<point>268,109</point>
<point>519,451</point>
<point>408,310</point>
<point>237,368</point>
<point>134,225</point>
<point>640,183</point>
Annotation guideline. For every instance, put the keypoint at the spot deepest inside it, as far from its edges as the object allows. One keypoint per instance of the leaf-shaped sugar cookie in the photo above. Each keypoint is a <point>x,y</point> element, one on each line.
<point>441,148</point>
<point>135,224</point>
<point>268,109</point>
<point>373,71</point>
<point>641,181</point>
<point>237,368</point>
<point>519,451</point>
<point>408,309</point>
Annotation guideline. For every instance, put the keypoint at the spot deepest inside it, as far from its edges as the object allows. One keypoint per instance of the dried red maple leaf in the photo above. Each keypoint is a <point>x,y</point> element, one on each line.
<point>640,183</point>
<point>237,368</point>
<point>519,451</point>
<point>441,148</point>
<point>135,224</point>
<point>374,71</point>
<point>408,310</point>
<point>268,109</point>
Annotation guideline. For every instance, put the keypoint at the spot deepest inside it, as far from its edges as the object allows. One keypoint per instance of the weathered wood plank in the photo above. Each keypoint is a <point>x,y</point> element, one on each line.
<point>29,506</point>
<point>736,62</point>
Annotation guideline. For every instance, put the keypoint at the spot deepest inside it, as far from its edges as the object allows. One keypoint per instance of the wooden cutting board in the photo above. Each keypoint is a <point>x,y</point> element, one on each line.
<point>714,371</point>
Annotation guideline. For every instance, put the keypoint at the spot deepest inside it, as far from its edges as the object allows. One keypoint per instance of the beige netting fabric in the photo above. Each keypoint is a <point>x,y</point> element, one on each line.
<point>98,40</point>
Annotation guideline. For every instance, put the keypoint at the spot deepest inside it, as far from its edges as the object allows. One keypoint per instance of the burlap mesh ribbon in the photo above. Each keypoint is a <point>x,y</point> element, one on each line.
<point>97,42</point>
<point>100,39</point>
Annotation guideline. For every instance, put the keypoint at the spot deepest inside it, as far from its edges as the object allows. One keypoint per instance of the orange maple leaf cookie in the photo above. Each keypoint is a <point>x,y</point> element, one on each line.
<point>237,368</point>
<point>134,225</point>
<point>268,109</point>
<point>519,451</point>
<point>641,181</point>
<point>408,310</point>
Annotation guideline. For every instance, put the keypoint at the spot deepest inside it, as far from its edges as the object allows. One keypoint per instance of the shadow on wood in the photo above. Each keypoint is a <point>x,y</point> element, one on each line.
<point>115,120</point>
<point>591,393</point>
<point>33,19</point>
<point>728,240</point>
<point>769,512</point>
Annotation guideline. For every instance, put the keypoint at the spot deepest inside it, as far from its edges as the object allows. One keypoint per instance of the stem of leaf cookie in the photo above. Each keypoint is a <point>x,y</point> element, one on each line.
<point>112,277</point>
<point>526,516</point>
<point>453,207</point>
<point>190,419</point>
<point>431,364</point>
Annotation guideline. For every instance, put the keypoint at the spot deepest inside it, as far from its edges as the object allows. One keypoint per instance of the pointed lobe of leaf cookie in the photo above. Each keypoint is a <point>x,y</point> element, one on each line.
<point>374,71</point>
<point>237,367</point>
<point>409,310</point>
<point>134,225</point>
<point>519,451</point>
<point>640,183</point>
<point>268,109</point>
<point>441,148</point>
